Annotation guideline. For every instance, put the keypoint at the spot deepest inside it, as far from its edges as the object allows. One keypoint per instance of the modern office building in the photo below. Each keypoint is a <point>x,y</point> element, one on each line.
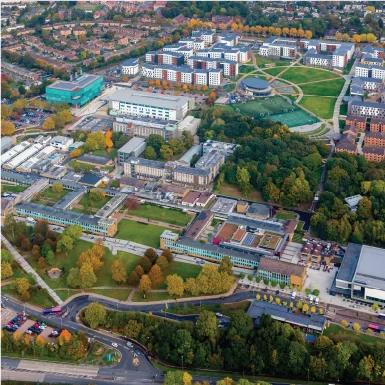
<point>76,92</point>
<point>361,275</point>
<point>133,148</point>
<point>368,109</point>
<point>137,103</point>
<point>370,71</point>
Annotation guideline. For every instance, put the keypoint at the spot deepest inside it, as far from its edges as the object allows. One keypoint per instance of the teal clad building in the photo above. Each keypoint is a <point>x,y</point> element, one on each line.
<point>76,92</point>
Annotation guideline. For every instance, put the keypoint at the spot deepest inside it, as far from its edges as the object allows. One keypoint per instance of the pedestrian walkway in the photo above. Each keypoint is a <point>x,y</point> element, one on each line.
<point>28,269</point>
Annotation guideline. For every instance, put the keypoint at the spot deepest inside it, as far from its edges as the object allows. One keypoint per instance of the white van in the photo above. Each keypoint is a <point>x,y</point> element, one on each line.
<point>316,301</point>
<point>311,298</point>
<point>293,295</point>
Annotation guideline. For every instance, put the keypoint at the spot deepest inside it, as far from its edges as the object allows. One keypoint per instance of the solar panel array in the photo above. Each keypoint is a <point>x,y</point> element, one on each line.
<point>249,239</point>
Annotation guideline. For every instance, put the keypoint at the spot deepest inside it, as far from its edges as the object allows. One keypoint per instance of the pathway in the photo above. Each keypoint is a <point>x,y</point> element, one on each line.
<point>28,269</point>
<point>120,216</point>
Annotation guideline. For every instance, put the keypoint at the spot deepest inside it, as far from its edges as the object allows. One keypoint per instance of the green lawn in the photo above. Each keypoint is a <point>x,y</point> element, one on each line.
<point>286,215</point>
<point>38,358</point>
<point>273,71</point>
<point>322,107</point>
<point>38,297</point>
<point>139,232</point>
<point>86,201</point>
<point>49,194</point>
<point>104,276</point>
<point>225,309</point>
<point>119,294</point>
<point>16,189</point>
<point>300,75</point>
<point>82,166</point>
<point>344,109</point>
<point>246,69</point>
<point>329,88</point>
<point>111,153</point>
<point>338,333</point>
<point>175,217</point>
<point>155,296</point>
<point>262,61</point>
<point>184,270</point>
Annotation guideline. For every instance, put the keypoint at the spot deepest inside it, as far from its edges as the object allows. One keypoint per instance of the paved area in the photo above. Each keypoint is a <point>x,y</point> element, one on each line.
<point>83,370</point>
<point>12,375</point>
<point>28,269</point>
<point>291,252</point>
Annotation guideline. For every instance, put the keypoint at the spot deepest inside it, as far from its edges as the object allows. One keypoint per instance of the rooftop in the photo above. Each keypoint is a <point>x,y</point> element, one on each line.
<point>349,262</point>
<point>131,145</point>
<point>281,267</point>
<point>224,206</point>
<point>74,85</point>
<point>90,179</point>
<point>95,159</point>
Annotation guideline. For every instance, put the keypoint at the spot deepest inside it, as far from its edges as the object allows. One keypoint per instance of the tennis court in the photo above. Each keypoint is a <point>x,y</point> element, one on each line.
<point>275,108</point>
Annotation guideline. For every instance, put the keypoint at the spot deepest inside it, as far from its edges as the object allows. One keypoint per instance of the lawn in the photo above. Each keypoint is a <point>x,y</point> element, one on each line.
<point>156,296</point>
<point>86,201</point>
<point>246,69</point>
<point>344,109</point>
<point>286,215</point>
<point>175,217</point>
<point>139,232</point>
<point>82,166</point>
<point>10,188</point>
<point>104,277</point>
<point>111,153</point>
<point>119,294</point>
<point>39,297</point>
<point>338,333</point>
<point>273,71</point>
<point>262,61</point>
<point>322,107</point>
<point>49,194</point>
<point>88,7</point>
<point>300,75</point>
<point>184,270</point>
<point>328,88</point>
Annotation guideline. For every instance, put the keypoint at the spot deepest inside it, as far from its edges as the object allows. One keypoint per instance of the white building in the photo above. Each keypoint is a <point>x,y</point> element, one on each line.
<point>367,71</point>
<point>130,67</point>
<point>61,142</point>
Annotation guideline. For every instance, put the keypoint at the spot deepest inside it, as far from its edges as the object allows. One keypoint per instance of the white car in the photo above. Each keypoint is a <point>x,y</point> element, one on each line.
<point>129,344</point>
<point>115,345</point>
<point>219,314</point>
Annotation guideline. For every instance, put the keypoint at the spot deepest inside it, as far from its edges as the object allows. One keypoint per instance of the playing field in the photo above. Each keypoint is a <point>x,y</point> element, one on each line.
<point>300,75</point>
<point>323,107</point>
<point>275,108</point>
<point>328,88</point>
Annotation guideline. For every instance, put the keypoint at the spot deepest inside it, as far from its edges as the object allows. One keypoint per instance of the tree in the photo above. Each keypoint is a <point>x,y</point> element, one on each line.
<point>36,251</point>
<point>95,315</point>
<point>65,337</point>
<point>132,204</point>
<point>375,306</point>
<point>109,142</point>
<point>155,141</point>
<point>6,270</point>
<point>175,285</point>
<point>65,244</point>
<point>7,128</point>
<point>166,152</point>
<point>22,285</point>
<point>49,124</point>
<point>155,274</point>
<point>119,273</point>
<point>41,227</point>
<point>26,244</point>
<point>145,263</point>
<point>87,276</point>
<point>45,249</point>
<point>149,153</point>
<point>162,262</point>
<point>168,254</point>
<point>57,188</point>
<point>132,329</point>
<point>151,255</point>
<point>226,266</point>
<point>73,278</point>
<point>97,195</point>
<point>145,284</point>
<point>177,378</point>
<point>344,323</point>
<point>50,258</point>
<point>206,326</point>
<point>356,327</point>
<point>75,153</point>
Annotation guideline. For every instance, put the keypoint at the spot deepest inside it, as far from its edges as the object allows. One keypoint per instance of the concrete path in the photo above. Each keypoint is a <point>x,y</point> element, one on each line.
<point>28,269</point>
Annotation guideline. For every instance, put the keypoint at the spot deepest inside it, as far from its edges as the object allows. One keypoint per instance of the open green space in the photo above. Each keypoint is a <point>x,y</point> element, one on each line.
<point>110,153</point>
<point>338,333</point>
<point>321,106</point>
<point>184,270</point>
<point>246,69</point>
<point>89,6</point>
<point>104,275</point>
<point>82,166</point>
<point>285,215</point>
<point>39,297</point>
<point>344,109</point>
<point>175,217</point>
<point>49,194</point>
<point>263,61</point>
<point>300,75</point>
<point>10,188</point>
<point>258,75</point>
<point>86,201</point>
<point>139,232</point>
<point>229,87</point>
<point>36,358</point>
<point>328,88</point>
<point>119,294</point>
<point>156,296</point>
<point>274,71</point>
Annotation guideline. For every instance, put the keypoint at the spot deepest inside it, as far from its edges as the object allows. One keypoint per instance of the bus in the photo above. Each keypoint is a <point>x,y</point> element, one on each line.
<point>381,316</point>
<point>52,310</point>
<point>376,328</point>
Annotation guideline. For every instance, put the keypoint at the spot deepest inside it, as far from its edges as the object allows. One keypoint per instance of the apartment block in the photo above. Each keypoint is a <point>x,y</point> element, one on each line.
<point>375,138</point>
<point>279,47</point>
<point>370,71</point>
<point>356,121</point>
<point>377,125</point>
<point>374,154</point>
<point>368,109</point>
<point>130,67</point>
<point>229,67</point>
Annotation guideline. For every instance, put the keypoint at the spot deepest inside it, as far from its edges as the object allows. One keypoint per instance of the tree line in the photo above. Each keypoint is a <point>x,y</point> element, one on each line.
<point>270,348</point>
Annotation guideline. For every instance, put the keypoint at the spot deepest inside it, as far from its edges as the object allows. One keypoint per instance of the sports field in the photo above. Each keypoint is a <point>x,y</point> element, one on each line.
<point>321,106</point>
<point>275,108</point>
<point>328,88</point>
<point>300,75</point>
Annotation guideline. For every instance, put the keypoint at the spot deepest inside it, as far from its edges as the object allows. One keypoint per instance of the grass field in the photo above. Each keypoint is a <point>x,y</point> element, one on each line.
<point>273,71</point>
<point>262,61</point>
<point>344,109</point>
<point>300,75</point>
<point>286,215</point>
<point>246,69</point>
<point>175,217</point>
<point>155,296</point>
<point>49,194</point>
<point>338,333</point>
<point>10,188</point>
<point>86,201</point>
<point>139,232</point>
<point>257,75</point>
<point>104,277</point>
<point>38,297</point>
<point>82,166</point>
<point>119,294</point>
<point>328,88</point>
<point>322,107</point>
<point>89,7</point>
<point>184,270</point>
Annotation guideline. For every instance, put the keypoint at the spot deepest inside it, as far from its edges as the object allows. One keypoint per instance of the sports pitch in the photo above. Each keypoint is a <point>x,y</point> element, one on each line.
<point>277,109</point>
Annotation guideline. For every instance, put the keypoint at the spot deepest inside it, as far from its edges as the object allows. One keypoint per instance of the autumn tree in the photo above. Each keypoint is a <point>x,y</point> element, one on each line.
<point>7,128</point>
<point>132,204</point>
<point>95,315</point>
<point>65,337</point>
<point>6,270</point>
<point>87,276</point>
<point>97,194</point>
<point>175,286</point>
<point>109,142</point>
<point>145,263</point>
<point>75,153</point>
<point>162,262</point>
<point>145,284</point>
<point>151,255</point>
<point>133,279</point>
<point>49,124</point>
<point>119,273</point>
<point>57,188</point>
<point>168,254</point>
<point>93,257</point>
<point>155,274</point>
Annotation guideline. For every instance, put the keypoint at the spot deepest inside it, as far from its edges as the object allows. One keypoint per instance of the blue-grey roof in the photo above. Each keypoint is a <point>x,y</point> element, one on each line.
<point>369,104</point>
<point>130,62</point>
<point>349,262</point>
<point>74,84</point>
<point>90,179</point>
<point>255,83</point>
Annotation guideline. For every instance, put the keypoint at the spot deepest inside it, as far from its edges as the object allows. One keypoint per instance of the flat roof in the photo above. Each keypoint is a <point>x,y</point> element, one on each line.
<point>89,179</point>
<point>281,267</point>
<point>370,268</point>
<point>256,83</point>
<point>95,159</point>
<point>131,145</point>
<point>224,206</point>
<point>74,85</point>
<point>150,99</point>
<point>349,262</point>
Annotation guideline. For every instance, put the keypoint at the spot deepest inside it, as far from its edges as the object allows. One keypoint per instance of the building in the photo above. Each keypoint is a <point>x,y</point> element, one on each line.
<point>130,67</point>
<point>347,141</point>
<point>258,211</point>
<point>375,52</point>
<point>377,125</point>
<point>226,148</point>
<point>14,151</point>
<point>23,156</point>
<point>174,58</point>
<point>314,323</point>
<point>242,207</point>
<point>211,161</point>
<point>28,165</point>
<point>370,71</point>
<point>353,201</point>
<point>136,103</point>
<point>279,47</point>
<point>358,122</point>
<point>6,144</point>
<point>374,154</point>
<point>370,60</point>
<point>374,138</point>
<point>76,92</point>
<point>361,276</point>
<point>95,160</point>
<point>75,145</point>
<point>256,87</point>
<point>368,109</point>
<point>282,272</point>
<point>133,148</point>
<point>61,142</point>
<point>229,67</point>
<point>359,86</point>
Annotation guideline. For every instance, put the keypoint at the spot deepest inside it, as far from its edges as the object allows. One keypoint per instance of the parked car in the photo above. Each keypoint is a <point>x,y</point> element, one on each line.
<point>219,314</point>
<point>130,344</point>
<point>137,351</point>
